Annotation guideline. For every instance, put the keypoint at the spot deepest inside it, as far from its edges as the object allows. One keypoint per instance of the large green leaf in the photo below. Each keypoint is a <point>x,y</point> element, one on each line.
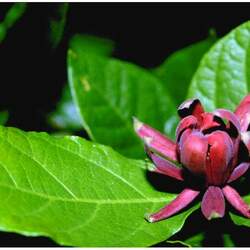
<point>177,70</point>
<point>108,92</point>
<point>77,192</point>
<point>223,76</point>
<point>65,116</point>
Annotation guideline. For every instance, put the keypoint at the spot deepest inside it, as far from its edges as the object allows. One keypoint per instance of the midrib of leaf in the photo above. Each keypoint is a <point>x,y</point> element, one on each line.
<point>76,198</point>
<point>99,165</point>
<point>81,200</point>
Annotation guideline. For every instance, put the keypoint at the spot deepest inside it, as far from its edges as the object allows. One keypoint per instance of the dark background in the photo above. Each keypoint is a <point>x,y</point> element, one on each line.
<point>32,73</point>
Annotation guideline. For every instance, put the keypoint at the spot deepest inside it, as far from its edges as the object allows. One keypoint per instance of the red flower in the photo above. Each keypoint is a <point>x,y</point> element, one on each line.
<point>211,147</point>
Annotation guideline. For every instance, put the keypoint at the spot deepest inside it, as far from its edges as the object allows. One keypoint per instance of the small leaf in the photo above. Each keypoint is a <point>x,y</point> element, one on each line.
<point>78,193</point>
<point>57,24</point>
<point>223,77</point>
<point>177,70</point>
<point>15,12</point>
<point>108,92</point>
<point>65,117</point>
<point>227,240</point>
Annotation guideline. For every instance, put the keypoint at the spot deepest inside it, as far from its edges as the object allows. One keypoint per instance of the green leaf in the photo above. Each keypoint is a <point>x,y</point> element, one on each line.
<point>177,70</point>
<point>197,240</point>
<point>223,77</point>
<point>15,12</point>
<point>57,24</point>
<point>227,240</point>
<point>65,116</point>
<point>78,193</point>
<point>83,44</point>
<point>108,92</point>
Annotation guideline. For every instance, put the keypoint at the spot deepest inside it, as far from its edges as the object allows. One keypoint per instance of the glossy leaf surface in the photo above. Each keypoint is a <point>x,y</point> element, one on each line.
<point>77,192</point>
<point>223,76</point>
<point>109,92</point>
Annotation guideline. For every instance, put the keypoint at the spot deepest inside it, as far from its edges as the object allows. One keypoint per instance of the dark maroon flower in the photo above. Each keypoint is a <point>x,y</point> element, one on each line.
<point>213,150</point>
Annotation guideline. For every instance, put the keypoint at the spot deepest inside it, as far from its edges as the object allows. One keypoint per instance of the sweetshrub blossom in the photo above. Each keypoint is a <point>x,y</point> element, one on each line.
<point>213,150</point>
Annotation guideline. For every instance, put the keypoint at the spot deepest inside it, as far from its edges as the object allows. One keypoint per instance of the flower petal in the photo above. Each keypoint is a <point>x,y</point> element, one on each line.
<point>208,122</point>
<point>236,201</point>
<point>213,203</point>
<point>155,140</point>
<point>231,117</point>
<point>219,155</point>
<point>238,171</point>
<point>193,151</point>
<point>187,122</point>
<point>243,113</point>
<point>165,167</point>
<point>180,202</point>
<point>191,107</point>
<point>245,136</point>
<point>236,148</point>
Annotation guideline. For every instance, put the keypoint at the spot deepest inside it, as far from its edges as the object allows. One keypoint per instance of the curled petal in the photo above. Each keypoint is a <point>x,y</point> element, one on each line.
<point>155,140</point>
<point>238,171</point>
<point>180,202</point>
<point>219,155</point>
<point>236,201</point>
<point>231,117</point>
<point>193,151</point>
<point>165,167</point>
<point>208,122</point>
<point>187,122</point>
<point>191,107</point>
<point>213,203</point>
<point>243,113</point>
